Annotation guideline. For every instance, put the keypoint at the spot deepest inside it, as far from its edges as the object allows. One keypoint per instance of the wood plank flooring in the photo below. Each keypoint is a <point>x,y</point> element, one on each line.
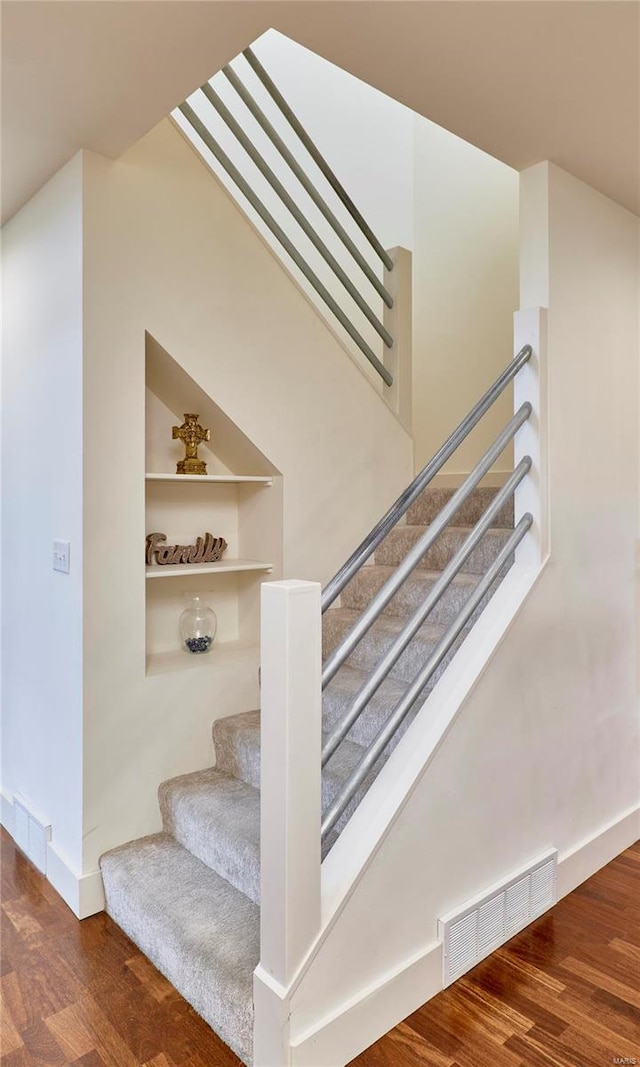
<point>564,993</point>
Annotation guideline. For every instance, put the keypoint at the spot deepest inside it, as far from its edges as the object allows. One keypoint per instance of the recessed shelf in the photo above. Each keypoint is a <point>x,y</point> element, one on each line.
<point>228,479</point>
<point>222,652</point>
<point>223,566</point>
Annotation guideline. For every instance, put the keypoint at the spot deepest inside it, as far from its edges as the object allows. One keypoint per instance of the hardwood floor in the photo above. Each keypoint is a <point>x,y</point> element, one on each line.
<point>564,993</point>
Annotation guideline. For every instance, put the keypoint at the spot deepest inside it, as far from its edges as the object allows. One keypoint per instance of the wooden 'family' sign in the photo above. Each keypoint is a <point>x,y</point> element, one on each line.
<point>207,549</point>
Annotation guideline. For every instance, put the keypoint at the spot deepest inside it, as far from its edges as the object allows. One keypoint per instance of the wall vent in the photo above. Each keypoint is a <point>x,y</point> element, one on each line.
<point>30,833</point>
<point>480,926</point>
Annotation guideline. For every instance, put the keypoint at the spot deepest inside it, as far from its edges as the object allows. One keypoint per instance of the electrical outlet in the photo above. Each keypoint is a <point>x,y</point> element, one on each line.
<point>61,556</point>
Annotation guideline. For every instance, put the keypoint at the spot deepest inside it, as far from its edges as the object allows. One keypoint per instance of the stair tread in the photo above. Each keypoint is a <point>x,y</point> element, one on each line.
<point>199,931</point>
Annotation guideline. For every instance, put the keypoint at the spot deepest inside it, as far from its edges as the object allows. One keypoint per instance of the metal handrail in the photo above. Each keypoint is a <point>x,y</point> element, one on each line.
<point>413,491</point>
<point>440,586</point>
<point>317,157</point>
<point>281,236</point>
<point>306,183</point>
<point>378,603</point>
<point>404,705</point>
<point>293,208</point>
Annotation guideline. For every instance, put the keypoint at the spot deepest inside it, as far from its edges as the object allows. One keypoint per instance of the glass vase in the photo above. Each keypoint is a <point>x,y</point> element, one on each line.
<point>198,625</point>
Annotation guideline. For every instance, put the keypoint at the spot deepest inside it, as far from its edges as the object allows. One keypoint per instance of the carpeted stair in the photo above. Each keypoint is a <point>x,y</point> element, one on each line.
<point>189,897</point>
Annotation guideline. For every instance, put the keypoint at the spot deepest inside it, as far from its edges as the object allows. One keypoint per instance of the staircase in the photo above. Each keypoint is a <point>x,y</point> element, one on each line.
<point>189,897</point>
<point>393,618</point>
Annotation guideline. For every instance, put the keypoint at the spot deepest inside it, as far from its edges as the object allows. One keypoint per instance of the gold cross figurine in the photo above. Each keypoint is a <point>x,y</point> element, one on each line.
<point>191,434</point>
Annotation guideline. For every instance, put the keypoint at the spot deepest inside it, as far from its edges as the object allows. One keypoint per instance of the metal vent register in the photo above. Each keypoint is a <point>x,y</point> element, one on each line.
<point>480,926</point>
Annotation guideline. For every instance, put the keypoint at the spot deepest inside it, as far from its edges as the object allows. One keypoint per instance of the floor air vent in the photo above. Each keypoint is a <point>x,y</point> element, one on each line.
<point>483,924</point>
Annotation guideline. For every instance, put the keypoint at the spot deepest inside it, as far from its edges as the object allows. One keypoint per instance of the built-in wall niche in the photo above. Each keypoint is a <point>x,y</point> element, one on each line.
<point>240,499</point>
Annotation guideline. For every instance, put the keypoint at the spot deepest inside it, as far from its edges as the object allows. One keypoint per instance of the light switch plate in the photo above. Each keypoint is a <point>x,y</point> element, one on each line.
<point>62,556</point>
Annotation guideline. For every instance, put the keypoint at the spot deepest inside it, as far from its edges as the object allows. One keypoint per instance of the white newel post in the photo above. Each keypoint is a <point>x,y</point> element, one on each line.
<point>399,322</point>
<point>290,777</point>
<point>530,327</point>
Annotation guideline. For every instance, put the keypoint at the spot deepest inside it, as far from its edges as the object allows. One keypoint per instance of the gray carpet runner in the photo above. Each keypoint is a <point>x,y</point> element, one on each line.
<point>189,897</point>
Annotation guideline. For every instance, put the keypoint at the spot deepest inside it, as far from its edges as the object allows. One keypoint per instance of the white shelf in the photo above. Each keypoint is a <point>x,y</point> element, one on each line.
<point>228,479</point>
<point>223,566</point>
<point>222,653</point>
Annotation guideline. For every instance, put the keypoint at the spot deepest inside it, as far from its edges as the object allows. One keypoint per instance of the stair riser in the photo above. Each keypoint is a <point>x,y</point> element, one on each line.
<point>208,835</point>
<point>236,742</point>
<point>399,542</point>
<point>432,501</point>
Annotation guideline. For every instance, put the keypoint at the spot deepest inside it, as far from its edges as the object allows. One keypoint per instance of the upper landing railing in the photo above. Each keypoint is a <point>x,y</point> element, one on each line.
<point>199,111</point>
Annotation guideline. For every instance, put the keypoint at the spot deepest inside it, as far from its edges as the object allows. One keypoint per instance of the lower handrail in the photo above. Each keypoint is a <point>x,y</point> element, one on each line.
<point>404,705</point>
<point>422,545</point>
<point>362,553</point>
<point>393,653</point>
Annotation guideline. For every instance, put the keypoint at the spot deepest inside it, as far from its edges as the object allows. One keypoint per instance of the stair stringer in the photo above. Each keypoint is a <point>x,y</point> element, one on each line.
<point>364,974</point>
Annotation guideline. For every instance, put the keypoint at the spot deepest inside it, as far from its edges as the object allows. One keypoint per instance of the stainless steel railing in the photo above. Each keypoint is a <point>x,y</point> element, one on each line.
<point>307,184</point>
<point>416,554</point>
<point>397,510</point>
<point>404,705</point>
<point>292,207</point>
<point>317,157</point>
<point>422,545</point>
<point>391,657</point>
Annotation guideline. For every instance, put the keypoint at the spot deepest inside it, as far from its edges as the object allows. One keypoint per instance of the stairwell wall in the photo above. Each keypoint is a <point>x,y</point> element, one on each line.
<point>42,500</point>
<point>465,278</point>
<point>167,251</point>
<point>418,186</point>
<point>545,750</point>
<point>454,207</point>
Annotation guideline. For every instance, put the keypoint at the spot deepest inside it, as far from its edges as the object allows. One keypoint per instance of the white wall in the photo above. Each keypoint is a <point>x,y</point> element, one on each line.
<point>546,749</point>
<point>370,149</point>
<point>166,251</point>
<point>419,187</point>
<point>365,136</point>
<point>42,500</point>
<point>465,265</point>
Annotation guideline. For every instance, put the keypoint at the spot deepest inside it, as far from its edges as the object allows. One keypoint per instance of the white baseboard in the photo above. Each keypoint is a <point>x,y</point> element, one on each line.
<point>585,859</point>
<point>6,812</point>
<point>83,893</point>
<point>340,1037</point>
